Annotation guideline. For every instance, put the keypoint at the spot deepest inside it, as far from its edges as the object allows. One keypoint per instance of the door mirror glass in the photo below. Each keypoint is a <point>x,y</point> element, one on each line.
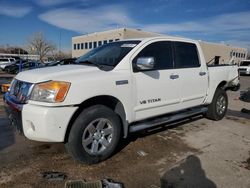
<point>145,63</point>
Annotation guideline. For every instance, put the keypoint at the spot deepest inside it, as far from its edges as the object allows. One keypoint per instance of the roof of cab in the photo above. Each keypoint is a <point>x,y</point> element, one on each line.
<point>161,38</point>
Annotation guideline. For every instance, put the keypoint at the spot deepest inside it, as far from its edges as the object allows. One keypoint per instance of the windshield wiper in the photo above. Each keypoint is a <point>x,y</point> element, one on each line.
<point>89,63</point>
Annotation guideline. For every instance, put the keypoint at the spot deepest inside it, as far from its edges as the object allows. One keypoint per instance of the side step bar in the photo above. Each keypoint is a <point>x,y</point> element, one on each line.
<point>167,119</point>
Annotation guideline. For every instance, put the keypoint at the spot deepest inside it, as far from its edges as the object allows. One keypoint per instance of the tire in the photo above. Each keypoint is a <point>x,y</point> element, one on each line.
<point>218,108</point>
<point>94,135</point>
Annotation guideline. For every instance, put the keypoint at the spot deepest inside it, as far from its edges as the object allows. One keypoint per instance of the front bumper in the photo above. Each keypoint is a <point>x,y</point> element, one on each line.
<point>40,123</point>
<point>13,112</point>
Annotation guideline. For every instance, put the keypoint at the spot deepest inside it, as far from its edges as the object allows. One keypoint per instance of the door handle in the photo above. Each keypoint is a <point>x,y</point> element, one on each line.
<point>202,73</point>
<point>174,76</point>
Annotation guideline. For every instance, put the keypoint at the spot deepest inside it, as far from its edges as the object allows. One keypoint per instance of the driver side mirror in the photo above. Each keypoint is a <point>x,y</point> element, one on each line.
<point>145,63</point>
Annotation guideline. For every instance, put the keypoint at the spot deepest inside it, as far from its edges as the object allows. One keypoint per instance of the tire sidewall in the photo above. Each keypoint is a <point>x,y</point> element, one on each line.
<point>219,92</point>
<point>76,133</point>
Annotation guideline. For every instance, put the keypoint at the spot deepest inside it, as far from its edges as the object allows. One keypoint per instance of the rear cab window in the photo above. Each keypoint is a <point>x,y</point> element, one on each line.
<point>186,55</point>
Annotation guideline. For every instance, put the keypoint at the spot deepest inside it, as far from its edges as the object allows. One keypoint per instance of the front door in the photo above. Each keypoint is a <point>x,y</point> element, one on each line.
<point>156,91</point>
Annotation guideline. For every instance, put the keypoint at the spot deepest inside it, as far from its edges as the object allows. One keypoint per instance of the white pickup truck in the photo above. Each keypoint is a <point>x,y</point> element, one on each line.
<point>244,67</point>
<point>118,88</point>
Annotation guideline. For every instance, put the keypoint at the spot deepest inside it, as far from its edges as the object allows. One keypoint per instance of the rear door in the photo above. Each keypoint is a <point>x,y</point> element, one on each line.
<point>192,74</point>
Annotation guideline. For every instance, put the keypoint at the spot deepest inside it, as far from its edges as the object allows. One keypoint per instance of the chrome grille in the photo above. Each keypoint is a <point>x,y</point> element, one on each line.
<point>20,90</point>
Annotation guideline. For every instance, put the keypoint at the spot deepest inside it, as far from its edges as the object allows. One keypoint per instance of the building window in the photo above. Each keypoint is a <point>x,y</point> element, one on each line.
<point>105,42</point>
<point>95,44</point>
<point>78,46</point>
<point>82,46</point>
<point>233,53</point>
<point>86,45</point>
<point>74,46</point>
<point>117,39</point>
<point>111,40</point>
<point>99,43</point>
<point>90,45</point>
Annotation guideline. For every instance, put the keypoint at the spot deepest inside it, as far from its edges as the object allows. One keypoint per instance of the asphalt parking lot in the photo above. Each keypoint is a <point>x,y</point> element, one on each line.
<point>194,153</point>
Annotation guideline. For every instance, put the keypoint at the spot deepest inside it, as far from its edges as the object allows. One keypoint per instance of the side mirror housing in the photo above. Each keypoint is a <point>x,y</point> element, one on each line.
<point>145,63</point>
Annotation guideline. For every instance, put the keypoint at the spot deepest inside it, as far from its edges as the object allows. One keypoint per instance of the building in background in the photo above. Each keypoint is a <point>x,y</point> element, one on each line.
<point>214,53</point>
<point>84,43</point>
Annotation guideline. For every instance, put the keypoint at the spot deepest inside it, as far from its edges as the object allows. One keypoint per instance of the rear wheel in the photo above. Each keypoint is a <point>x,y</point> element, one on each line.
<point>94,135</point>
<point>218,108</point>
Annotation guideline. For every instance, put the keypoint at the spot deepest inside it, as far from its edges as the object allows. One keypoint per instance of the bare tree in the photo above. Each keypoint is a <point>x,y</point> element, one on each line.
<point>63,55</point>
<point>57,56</point>
<point>39,45</point>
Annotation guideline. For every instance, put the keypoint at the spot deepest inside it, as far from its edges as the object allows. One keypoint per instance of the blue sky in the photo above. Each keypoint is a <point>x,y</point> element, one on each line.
<point>224,21</point>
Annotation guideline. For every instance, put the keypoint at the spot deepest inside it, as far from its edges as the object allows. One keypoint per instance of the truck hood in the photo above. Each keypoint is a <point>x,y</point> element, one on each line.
<point>56,73</point>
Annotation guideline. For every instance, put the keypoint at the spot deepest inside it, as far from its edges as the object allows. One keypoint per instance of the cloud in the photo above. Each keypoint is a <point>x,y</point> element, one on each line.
<point>95,19</point>
<point>243,44</point>
<point>230,27</point>
<point>47,3</point>
<point>221,23</point>
<point>14,11</point>
<point>233,28</point>
<point>88,20</point>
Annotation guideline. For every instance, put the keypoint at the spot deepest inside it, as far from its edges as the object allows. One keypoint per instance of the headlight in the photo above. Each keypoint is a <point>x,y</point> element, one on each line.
<point>51,91</point>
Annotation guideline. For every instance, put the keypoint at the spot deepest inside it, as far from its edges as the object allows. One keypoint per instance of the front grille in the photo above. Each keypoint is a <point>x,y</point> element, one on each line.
<point>242,69</point>
<point>20,91</point>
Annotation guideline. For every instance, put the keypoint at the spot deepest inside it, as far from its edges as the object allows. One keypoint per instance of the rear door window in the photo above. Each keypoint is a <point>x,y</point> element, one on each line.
<point>186,55</point>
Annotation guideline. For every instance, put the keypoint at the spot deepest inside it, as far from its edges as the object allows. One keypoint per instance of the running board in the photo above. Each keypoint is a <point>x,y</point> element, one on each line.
<point>167,119</point>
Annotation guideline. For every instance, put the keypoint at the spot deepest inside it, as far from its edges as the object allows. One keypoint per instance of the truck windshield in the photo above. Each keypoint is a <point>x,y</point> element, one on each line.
<point>245,63</point>
<point>107,56</point>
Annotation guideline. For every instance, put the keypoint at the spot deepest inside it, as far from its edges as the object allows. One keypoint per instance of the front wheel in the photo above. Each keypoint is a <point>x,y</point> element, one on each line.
<point>218,108</point>
<point>94,135</point>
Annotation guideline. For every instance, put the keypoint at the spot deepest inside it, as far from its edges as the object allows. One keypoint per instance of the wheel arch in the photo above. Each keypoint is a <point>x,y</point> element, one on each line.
<point>222,85</point>
<point>106,100</point>
<point>212,90</point>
